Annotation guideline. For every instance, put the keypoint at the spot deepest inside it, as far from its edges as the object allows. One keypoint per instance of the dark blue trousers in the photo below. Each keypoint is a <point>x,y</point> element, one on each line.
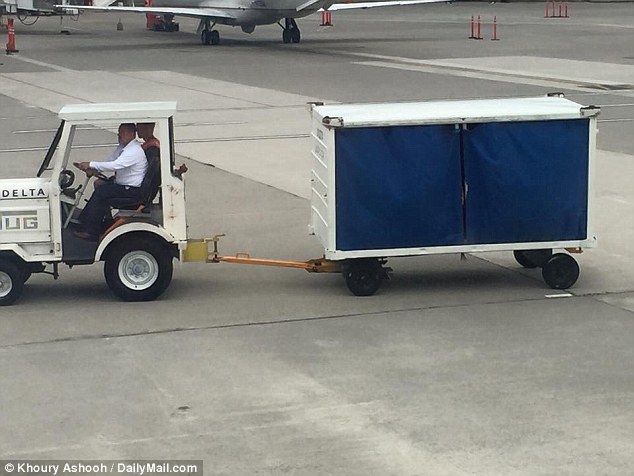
<point>93,213</point>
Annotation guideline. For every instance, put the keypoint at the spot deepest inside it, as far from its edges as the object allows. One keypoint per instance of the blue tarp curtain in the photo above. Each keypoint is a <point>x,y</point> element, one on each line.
<point>397,188</point>
<point>401,186</point>
<point>527,181</point>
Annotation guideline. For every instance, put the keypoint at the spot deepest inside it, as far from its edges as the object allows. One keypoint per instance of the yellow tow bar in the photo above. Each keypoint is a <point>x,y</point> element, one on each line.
<point>198,250</point>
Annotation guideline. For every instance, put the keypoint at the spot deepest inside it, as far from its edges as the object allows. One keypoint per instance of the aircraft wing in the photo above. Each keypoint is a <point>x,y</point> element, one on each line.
<point>211,13</point>
<point>389,3</point>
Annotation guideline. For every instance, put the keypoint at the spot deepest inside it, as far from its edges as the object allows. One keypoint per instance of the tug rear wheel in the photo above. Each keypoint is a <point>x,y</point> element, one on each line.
<point>139,269</point>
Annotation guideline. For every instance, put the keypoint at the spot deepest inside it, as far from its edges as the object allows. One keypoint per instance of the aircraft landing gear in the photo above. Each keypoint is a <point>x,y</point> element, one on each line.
<point>209,36</point>
<point>290,31</point>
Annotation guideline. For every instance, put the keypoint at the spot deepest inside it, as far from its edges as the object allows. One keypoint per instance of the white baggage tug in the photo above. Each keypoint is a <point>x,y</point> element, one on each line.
<point>387,180</point>
<point>38,213</point>
<point>138,247</point>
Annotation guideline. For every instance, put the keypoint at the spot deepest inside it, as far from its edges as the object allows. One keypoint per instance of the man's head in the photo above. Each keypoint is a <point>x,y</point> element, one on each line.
<point>145,130</point>
<point>127,132</point>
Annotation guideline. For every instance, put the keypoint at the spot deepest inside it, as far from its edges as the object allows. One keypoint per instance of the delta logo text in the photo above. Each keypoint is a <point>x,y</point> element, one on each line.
<point>31,192</point>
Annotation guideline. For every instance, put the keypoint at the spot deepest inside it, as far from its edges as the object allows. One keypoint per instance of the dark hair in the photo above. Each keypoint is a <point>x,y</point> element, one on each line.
<point>129,126</point>
<point>149,125</point>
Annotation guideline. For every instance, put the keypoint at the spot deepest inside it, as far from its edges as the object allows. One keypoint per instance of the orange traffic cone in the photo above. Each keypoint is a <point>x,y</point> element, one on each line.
<point>326,18</point>
<point>11,38</point>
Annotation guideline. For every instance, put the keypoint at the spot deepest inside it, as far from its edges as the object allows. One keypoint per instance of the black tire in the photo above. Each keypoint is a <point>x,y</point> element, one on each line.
<point>138,269</point>
<point>533,258</point>
<point>215,37</point>
<point>522,259</point>
<point>296,36</point>
<point>11,282</point>
<point>363,276</point>
<point>205,37</point>
<point>32,268</point>
<point>286,35</point>
<point>561,271</point>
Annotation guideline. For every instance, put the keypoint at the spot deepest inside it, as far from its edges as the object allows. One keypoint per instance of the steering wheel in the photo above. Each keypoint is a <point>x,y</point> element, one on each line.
<point>66,179</point>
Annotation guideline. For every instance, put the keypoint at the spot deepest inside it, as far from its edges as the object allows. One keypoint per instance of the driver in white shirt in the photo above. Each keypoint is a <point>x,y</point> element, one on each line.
<point>129,165</point>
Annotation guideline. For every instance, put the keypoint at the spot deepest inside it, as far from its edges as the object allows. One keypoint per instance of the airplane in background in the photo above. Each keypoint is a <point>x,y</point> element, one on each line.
<point>248,14</point>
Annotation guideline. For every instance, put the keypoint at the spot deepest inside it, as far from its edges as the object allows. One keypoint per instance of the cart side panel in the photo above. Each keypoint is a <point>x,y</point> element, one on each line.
<point>320,220</point>
<point>527,181</point>
<point>398,187</point>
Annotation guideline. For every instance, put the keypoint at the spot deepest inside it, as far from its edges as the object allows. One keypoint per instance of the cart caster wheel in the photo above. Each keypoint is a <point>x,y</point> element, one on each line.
<point>560,271</point>
<point>11,282</point>
<point>532,258</point>
<point>363,276</point>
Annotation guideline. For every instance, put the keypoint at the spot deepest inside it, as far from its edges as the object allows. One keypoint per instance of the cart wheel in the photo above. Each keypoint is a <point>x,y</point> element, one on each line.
<point>139,269</point>
<point>560,271</point>
<point>11,282</point>
<point>363,276</point>
<point>532,258</point>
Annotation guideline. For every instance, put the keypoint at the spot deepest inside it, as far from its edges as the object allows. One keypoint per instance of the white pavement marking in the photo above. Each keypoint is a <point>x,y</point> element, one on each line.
<point>41,63</point>
<point>249,95</point>
<point>525,69</point>
<point>470,74</point>
<point>558,295</point>
<point>576,72</point>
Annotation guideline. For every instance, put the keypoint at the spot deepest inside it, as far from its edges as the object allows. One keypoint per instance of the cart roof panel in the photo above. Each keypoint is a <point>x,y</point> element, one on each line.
<point>450,111</point>
<point>124,111</point>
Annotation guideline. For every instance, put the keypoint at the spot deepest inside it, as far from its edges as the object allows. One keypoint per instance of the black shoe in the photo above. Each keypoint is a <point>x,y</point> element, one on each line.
<point>85,235</point>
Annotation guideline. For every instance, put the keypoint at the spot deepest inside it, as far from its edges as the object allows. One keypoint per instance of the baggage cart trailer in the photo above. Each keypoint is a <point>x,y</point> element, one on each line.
<point>418,178</point>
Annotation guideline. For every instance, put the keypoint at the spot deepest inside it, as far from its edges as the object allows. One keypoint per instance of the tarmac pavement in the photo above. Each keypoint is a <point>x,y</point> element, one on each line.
<point>454,367</point>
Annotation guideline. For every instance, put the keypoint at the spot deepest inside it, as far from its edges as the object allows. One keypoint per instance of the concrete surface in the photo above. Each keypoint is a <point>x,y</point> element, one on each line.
<point>454,367</point>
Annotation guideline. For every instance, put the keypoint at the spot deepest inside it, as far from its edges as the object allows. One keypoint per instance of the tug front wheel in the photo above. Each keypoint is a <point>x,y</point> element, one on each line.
<point>139,269</point>
<point>11,282</point>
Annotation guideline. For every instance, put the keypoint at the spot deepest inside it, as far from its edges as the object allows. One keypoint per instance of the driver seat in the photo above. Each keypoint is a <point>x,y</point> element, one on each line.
<point>149,187</point>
